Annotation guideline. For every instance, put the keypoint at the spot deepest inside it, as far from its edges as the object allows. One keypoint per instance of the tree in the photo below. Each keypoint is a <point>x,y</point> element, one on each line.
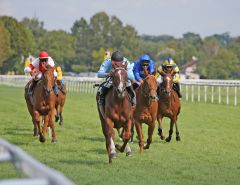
<point>21,43</point>
<point>60,45</point>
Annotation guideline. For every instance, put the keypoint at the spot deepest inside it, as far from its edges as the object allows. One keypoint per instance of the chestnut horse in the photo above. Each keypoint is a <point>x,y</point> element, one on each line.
<point>60,101</point>
<point>168,106</point>
<point>117,111</point>
<point>146,109</point>
<point>43,104</point>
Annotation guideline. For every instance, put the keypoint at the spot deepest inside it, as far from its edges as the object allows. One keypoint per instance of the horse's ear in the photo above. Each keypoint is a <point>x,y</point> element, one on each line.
<point>172,72</point>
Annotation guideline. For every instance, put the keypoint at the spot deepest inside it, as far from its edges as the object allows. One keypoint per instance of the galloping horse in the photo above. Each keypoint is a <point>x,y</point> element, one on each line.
<point>117,111</point>
<point>60,101</point>
<point>168,106</point>
<point>146,109</point>
<point>42,103</point>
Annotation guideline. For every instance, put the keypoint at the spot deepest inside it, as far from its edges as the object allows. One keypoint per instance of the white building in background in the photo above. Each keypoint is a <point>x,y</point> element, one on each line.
<point>187,71</point>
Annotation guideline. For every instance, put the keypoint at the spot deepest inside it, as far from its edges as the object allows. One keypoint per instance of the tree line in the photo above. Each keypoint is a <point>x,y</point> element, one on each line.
<point>82,49</point>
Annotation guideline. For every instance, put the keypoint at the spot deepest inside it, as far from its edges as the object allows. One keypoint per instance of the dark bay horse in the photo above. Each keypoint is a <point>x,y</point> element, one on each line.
<point>42,103</point>
<point>146,109</point>
<point>60,101</point>
<point>117,111</point>
<point>168,106</point>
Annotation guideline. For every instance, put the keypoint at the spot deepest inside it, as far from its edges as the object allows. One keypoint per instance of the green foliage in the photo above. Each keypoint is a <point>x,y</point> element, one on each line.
<point>59,44</point>
<point>21,43</point>
<point>5,49</point>
<point>208,153</point>
<point>82,49</point>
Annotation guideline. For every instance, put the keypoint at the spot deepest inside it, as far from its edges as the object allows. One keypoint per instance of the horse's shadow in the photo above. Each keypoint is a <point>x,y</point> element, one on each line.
<point>83,162</point>
<point>92,139</point>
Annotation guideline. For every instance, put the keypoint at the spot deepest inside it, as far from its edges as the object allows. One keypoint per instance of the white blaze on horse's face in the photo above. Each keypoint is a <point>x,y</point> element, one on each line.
<point>168,84</point>
<point>121,86</point>
<point>120,78</point>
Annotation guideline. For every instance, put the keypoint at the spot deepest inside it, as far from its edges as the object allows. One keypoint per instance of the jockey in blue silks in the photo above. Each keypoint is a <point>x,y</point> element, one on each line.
<point>138,70</point>
<point>104,72</point>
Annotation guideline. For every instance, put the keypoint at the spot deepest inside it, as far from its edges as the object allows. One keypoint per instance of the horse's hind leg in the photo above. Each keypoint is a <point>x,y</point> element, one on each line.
<point>168,139</point>
<point>160,130</point>
<point>128,150</point>
<point>125,135</point>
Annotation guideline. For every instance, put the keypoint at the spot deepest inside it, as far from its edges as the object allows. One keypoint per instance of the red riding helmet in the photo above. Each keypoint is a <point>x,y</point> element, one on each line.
<point>43,54</point>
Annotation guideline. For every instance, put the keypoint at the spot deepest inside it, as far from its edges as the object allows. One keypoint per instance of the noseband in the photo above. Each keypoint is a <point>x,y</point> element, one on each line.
<point>121,87</point>
<point>47,91</point>
<point>146,93</point>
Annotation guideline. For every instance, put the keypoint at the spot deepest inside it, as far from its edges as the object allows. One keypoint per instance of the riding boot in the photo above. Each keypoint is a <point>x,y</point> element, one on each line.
<point>177,87</point>
<point>132,95</point>
<point>31,87</point>
<point>101,102</point>
<point>55,89</point>
<point>62,86</point>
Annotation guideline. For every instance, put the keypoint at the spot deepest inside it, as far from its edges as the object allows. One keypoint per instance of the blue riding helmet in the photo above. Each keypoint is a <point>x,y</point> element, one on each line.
<point>145,58</point>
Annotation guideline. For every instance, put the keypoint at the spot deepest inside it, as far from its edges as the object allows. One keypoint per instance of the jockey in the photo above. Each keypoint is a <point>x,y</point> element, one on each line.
<point>104,72</point>
<point>144,62</point>
<point>168,66</point>
<point>59,78</point>
<point>36,68</point>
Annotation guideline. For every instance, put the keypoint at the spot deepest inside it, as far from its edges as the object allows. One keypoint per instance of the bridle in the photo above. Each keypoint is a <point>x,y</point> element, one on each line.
<point>166,86</point>
<point>119,87</point>
<point>45,80</point>
<point>146,90</point>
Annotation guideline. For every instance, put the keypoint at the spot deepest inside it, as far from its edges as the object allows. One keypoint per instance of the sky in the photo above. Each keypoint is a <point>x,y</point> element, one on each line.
<point>150,17</point>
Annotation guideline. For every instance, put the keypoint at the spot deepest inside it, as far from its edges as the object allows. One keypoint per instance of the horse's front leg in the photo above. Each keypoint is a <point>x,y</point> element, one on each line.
<point>173,120</point>
<point>45,125</point>
<point>177,132</point>
<point>108,133</point>
<point>160,130</point>
<point>37,121</point>
<point>52,125</point>
<point>138,126</point>
<point>151,127</point>
<point>125,135</point>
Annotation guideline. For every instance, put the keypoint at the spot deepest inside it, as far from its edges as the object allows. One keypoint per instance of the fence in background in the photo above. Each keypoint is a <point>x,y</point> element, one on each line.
<point>38,173</point>
<point>208,91</point>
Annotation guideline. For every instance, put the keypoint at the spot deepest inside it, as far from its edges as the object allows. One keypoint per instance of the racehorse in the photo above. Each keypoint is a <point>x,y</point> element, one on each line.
<point>168,106</point>
<point>146,109</point>
<point>42,103</point>
<point>60,101</point>
<point>117,111</point>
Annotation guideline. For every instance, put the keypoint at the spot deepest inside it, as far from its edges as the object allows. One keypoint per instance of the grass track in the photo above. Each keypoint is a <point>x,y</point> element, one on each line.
<point>209,152</point>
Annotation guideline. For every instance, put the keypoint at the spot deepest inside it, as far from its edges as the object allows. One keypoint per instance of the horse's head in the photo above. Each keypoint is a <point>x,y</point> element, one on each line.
<point>149,87</point>
<point>119,77</point>
<point>48,79</point>
<point>167,83</point>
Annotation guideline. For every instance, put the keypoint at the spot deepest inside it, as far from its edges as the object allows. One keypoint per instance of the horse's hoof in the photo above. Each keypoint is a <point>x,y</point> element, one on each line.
<point>119,148</point>
<point>42,139</point>
<point>128,154</point>
<point>54,141</point>
<point>168,139</point>
<point>146,147</point>
<point>56,118</point>
<point>60,123</point>
<point>178,138</point>
<point>162,137</point>
<point>113,155</point>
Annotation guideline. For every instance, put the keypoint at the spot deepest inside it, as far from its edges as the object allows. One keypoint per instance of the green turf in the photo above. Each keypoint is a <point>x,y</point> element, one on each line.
<point>209,152</point>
